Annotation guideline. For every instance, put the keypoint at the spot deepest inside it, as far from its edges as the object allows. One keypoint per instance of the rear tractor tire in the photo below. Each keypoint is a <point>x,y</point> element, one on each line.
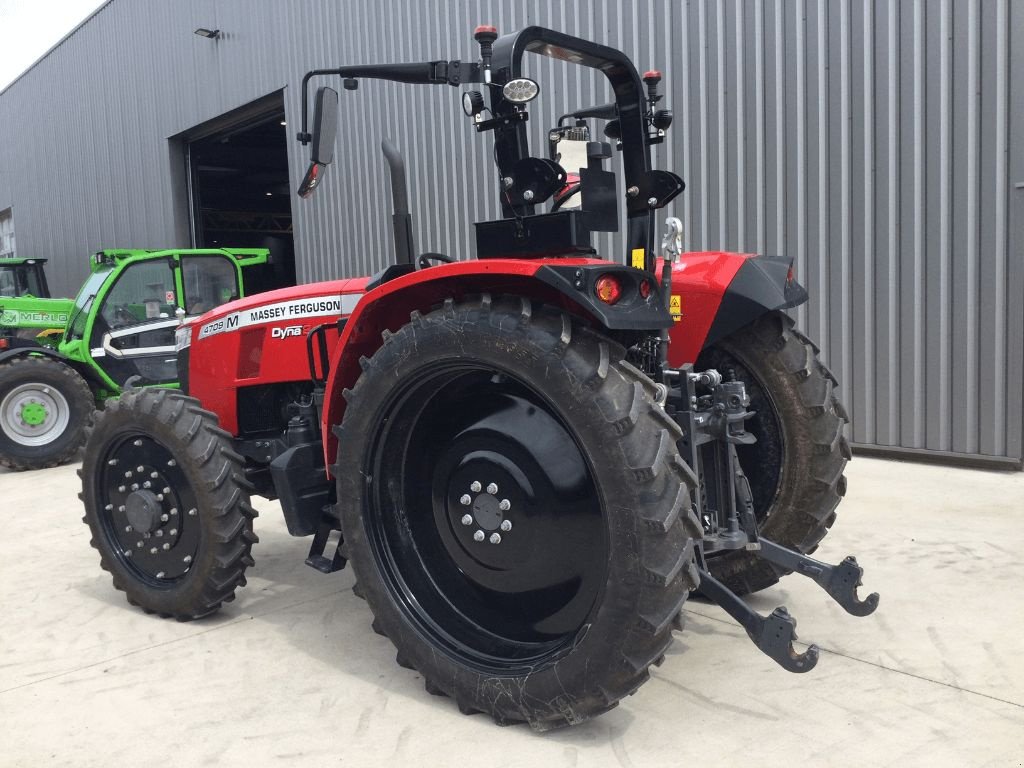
<point>45,408</point>
<point>167,503</point>
<point>796,466</point>
<point>515,510</point>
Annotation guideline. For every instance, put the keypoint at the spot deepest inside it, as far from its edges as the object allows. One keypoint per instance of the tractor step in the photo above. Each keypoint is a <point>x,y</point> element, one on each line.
<point>321,539</point>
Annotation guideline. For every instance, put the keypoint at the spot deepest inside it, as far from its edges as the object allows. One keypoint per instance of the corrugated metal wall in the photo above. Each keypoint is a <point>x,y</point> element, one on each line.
<point>880,143</point>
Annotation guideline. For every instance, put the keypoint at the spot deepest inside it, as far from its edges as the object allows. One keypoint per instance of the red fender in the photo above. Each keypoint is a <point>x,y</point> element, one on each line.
<point>699,280</point>
<point>388,307</point>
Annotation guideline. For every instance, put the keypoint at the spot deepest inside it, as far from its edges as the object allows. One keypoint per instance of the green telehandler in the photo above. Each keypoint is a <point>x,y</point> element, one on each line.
<point>60,359</point>
<point>35,316</point>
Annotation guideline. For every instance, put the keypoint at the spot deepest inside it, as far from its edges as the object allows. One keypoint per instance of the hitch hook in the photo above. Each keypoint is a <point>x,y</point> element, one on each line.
<point>839,581</point>
<point>773,634</point>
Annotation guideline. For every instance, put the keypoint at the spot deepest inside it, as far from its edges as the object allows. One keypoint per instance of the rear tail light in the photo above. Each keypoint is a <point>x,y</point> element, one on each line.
<point>608,289</point>
<point>645,289</point>
<point>3,344</point>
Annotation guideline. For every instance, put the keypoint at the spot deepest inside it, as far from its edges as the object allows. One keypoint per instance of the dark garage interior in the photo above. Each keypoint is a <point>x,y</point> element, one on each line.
<point>240,196</point>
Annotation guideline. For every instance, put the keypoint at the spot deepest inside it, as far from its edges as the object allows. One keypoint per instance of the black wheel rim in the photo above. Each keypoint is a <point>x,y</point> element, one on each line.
<point>147,510</point>
<point>484,518</point>
<point>762,461</point>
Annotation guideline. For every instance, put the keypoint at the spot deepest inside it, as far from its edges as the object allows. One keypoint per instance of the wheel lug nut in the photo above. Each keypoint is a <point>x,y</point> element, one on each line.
<point>159,532</point>
<point>127,474</point>
<point>147,484</point>
<point>154,475</point>
<point>172,463</point>
<point>135,486</point>
<point>192,512</point>
<point>467,519</point>
<point>506,525</point>
<point>138,544</point>
<point>187,559</point>
<point>166,547</point>
<point>112,462</point>
<point>475,486</point>
<point>163,518</point>
<point>174,511</point>
<point>174,532</point>
<point>166,490</point>
<point>492,489</point>
<point>478,536</point>
<point>152,550</point>
<point>505,505</point>
<point>160,575</point>
<point>127,553</point>
<point>109,507</point>
<point>127,529</point>
<point>139,470</point>
<point>120,489</point>
<point>121,508</point>
<point>138,443</point>
<point>466,499</point>
<point>495,538</point>
<point>159,497</point>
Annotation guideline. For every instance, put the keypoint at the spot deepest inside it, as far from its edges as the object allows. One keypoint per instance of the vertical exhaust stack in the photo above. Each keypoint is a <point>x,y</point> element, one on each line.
<point>401,219</point>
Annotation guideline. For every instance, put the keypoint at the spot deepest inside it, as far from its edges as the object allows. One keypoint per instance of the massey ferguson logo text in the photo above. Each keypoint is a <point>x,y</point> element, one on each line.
<point>284,333</point>
<point>316,306</point>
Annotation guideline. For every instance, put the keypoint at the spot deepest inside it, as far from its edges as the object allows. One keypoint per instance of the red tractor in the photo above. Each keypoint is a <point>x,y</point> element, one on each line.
<point>531,458</point>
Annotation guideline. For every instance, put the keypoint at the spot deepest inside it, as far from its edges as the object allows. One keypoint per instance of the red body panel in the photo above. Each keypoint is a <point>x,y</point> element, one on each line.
<point>699,279</point>
<point>266,341</point>
<point>266,347</point>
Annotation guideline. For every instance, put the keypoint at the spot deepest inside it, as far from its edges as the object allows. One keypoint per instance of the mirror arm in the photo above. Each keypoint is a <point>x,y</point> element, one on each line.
<point>452,73</point>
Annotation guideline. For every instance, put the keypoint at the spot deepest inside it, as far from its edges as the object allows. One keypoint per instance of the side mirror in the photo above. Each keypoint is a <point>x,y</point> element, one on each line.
<point>325,130</point>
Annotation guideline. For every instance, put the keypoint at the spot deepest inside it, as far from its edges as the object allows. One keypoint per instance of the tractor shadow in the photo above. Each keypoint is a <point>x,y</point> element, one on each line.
<point>319,616</point>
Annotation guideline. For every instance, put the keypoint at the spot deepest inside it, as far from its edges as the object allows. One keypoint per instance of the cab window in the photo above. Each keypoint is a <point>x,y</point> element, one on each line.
<point>83,304</point>
<point>144,291</point>
<point>208,281</point>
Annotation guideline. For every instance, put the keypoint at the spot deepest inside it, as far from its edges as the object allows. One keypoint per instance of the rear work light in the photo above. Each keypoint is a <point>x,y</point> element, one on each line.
<point>608,289</point>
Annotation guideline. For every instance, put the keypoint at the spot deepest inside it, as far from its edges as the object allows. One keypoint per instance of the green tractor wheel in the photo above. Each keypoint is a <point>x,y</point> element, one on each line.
<point>45,407</point>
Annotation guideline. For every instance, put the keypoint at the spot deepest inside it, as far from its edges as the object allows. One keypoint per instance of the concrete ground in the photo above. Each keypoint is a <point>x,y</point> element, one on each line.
<point>291,672</point>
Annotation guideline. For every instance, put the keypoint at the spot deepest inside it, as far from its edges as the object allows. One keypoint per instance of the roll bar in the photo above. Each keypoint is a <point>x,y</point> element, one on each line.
<point>646,190</point>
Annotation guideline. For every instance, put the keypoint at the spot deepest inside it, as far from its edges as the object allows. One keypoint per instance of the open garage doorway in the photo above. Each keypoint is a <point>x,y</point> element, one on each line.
<point>238,188</point>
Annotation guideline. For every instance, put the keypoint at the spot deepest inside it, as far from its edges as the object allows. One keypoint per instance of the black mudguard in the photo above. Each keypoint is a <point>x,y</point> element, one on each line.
<point>762,284</point>
<point>32,348</point>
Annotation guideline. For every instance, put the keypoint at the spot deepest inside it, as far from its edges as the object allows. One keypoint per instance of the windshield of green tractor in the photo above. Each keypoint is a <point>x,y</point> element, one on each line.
<point>19,280</point>
<point>209,281</point>
<point>144,291</point>
<point>76,328</point>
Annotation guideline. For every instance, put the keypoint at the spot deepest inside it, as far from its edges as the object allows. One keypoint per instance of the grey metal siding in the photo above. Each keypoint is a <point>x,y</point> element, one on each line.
<point>879,143</point>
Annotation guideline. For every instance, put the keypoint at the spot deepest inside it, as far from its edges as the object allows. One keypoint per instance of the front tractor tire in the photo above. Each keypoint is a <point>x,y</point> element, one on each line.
<point>45,408</point>
<point>515,510</point>
<point>796,466</point>
<point>167,504</point>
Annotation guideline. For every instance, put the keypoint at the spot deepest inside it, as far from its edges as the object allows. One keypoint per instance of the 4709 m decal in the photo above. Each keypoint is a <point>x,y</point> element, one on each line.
<point>314,306</point>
